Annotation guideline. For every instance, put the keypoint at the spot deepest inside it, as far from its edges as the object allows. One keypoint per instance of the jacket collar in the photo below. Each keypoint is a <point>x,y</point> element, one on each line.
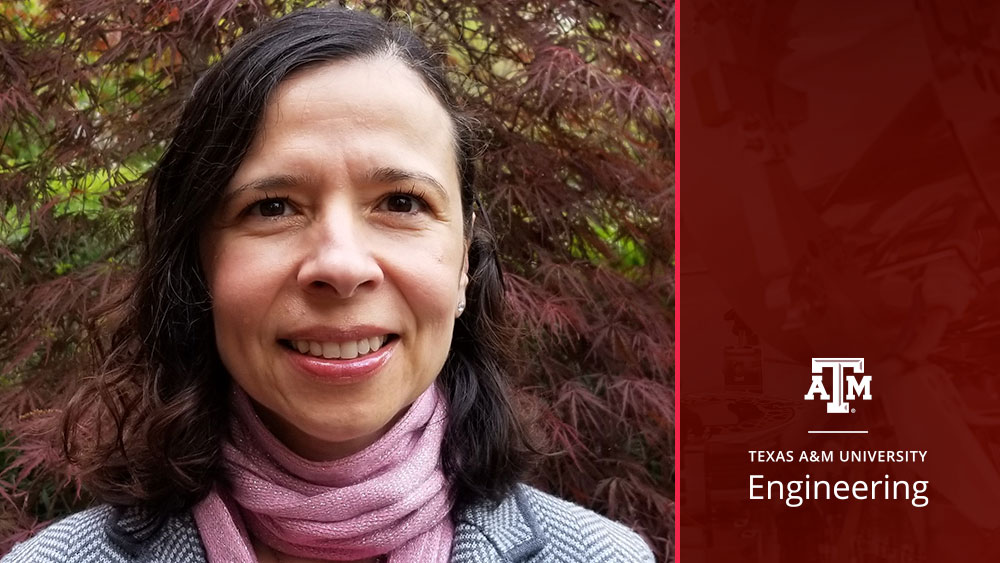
<point>511,526</point>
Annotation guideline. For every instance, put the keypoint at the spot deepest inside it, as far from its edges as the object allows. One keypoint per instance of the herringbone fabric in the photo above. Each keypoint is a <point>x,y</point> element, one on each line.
<point>84,538</point>
<point>533,527</point>
<point>529,526</point>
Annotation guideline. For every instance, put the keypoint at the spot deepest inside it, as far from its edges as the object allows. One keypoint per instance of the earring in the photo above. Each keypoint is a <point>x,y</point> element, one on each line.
<point>461,307</point>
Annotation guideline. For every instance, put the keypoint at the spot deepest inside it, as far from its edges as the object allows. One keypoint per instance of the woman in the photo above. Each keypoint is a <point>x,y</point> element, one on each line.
<point>310,367</point>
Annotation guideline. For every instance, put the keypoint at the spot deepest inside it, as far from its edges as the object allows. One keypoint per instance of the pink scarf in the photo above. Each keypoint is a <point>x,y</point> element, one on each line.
<point>390,498</point>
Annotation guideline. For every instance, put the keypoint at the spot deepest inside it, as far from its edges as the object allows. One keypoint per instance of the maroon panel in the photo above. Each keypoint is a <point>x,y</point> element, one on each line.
<point>839,237</point>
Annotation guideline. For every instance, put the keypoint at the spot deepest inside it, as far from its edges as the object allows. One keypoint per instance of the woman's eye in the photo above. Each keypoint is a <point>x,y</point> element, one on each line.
<point>403,203</point>
<point>271,207</point>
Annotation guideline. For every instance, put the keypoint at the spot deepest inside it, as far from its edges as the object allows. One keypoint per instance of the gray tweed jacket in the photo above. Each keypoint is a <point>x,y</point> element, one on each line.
<point>529,526</point>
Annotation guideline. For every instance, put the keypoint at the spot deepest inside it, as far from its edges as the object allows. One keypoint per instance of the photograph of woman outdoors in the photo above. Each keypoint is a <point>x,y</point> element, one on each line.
<point>314,359</point>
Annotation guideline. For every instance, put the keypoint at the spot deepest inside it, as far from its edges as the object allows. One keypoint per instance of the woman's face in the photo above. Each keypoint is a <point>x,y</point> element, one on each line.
<point>336,259</point>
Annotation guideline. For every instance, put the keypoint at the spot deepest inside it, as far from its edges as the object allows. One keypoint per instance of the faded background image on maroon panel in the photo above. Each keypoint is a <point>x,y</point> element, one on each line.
<point>840,198</point>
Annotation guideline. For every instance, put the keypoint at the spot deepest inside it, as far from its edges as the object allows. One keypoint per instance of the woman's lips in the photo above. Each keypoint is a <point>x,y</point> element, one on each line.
<point>336,370</point>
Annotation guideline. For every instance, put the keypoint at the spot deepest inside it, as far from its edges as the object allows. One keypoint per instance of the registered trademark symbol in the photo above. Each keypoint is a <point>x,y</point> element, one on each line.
<point>854,410</point>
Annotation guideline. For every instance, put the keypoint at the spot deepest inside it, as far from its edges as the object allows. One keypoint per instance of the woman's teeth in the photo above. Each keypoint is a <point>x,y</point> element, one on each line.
<point>342,350</point>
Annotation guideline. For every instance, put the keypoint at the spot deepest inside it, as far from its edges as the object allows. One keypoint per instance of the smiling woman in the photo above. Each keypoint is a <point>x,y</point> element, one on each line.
<point>334,295</point>
<point>311,366</point>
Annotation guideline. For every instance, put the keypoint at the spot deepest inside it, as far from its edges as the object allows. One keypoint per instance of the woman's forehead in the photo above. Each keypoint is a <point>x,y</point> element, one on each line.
<point>375,92</point>
<point>372,110</point>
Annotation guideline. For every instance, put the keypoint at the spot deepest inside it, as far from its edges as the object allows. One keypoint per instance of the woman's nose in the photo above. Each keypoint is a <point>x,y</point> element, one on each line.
<point>339,260</point>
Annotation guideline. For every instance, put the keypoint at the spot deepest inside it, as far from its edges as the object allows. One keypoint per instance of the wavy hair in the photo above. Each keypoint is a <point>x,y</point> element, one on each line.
<point>146,429</point>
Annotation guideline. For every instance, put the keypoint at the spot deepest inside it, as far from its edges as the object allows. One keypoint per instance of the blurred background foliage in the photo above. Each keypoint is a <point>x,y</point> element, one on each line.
<point>576,99</point>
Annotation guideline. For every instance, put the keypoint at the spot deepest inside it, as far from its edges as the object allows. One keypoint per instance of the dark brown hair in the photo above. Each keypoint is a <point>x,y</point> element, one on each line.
<point>146,430</point>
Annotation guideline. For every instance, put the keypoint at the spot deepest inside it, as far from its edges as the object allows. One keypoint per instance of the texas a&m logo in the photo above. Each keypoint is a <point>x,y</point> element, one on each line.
<point>845,387</point>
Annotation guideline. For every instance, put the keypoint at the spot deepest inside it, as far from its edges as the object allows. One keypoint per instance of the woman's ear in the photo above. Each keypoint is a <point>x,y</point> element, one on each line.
<point>463,281</point>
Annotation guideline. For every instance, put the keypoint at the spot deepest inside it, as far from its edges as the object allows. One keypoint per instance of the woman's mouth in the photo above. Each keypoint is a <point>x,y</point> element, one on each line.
<point>343,362</point>
<point>346,350</point>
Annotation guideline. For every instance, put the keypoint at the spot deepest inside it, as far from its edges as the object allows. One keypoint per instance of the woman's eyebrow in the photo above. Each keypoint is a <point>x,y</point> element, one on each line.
<point>383,175</point>
<point>391,175</point>
<point>267,183</point>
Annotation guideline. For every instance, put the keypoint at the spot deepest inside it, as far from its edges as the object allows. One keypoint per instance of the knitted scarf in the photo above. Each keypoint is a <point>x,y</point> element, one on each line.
<point>390,498</point>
